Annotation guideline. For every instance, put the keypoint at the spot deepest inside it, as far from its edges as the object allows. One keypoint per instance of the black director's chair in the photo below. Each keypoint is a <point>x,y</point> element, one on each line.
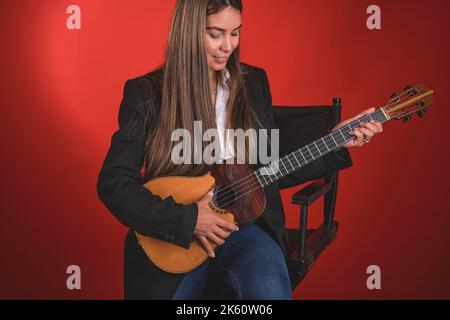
<point>299,126</point>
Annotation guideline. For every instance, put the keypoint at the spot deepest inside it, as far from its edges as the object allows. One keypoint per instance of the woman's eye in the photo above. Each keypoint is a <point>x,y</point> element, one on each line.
<point>217,36</point>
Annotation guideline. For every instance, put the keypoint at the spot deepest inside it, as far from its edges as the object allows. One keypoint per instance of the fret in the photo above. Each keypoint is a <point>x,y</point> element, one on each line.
<point>328,141</point>
<point>343,137</point>
<point>326,146</point>
<point>344,134</point>
<point>318,149</point>
<point>310,146</point>
<point>312,155</point>
<point>264,179</point>
<point>293,154</point>
<point>267,174</point>
<point>282,162</point>
<point>322,146</point>
<point>332,137</point>
<point>273,171</point>
<point>259,178</point>
<point>290,162</point>
<point>303,155</point>
<point>380,116</point>
<point>350,129</point>
<point>276,165</point>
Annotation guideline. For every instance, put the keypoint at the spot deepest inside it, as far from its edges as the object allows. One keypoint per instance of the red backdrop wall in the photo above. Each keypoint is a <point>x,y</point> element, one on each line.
<point>61,91</point>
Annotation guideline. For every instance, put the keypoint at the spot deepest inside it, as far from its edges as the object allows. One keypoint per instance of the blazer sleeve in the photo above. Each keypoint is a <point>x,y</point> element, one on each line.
<point>119,181</point>
<point>333,161</point>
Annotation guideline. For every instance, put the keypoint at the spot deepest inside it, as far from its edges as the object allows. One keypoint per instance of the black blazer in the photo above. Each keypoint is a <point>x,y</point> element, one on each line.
<point>120,187</point>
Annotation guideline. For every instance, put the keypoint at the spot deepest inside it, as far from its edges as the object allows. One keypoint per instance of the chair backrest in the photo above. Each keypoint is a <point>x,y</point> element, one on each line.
<point>300,125</point>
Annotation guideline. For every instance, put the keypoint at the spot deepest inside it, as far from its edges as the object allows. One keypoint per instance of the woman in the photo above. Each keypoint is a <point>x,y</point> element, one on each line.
<point>202,79</point>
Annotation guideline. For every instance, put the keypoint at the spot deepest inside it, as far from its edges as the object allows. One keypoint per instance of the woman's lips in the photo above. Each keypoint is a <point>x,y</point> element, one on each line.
<point>220,59</point>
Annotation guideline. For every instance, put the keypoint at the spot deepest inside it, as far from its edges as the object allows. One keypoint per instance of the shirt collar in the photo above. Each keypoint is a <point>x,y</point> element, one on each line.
<point>225,75</point>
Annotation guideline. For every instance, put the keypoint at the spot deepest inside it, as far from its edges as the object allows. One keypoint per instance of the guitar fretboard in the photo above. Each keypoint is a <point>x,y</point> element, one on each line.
<point>315,150</point>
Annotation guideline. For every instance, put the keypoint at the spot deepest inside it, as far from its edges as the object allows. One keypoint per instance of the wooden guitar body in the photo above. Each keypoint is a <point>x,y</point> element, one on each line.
<point>241,206</point>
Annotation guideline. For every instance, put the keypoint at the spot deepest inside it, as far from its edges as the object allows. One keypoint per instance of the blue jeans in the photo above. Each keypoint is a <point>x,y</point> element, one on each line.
<point>249,261</point>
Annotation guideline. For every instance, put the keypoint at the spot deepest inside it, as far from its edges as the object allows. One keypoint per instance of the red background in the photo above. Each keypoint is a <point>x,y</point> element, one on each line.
<point>60,95</point>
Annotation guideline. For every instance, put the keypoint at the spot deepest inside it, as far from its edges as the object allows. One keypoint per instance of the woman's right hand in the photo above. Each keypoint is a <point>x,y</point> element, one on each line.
<point>210,227</point>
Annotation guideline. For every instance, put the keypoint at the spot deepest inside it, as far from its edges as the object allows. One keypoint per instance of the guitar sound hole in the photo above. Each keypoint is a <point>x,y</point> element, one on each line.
<point>223,197</point>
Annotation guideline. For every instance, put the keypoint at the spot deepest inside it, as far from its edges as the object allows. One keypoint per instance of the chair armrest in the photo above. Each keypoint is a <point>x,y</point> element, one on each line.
<point>313,191</point>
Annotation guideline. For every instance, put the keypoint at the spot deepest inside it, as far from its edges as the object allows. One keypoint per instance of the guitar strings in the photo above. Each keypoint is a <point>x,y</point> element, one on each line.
<point>376,113</point>
<point>382,119</point>
<point>252,177</point>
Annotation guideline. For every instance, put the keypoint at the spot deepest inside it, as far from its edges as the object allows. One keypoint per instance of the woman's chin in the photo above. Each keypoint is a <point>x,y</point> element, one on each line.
<point>215,68</point>
<point>218,66</point>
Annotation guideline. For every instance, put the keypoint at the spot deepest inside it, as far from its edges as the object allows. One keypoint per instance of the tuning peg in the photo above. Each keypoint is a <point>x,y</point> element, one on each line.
<point>394,95</point>
<point>422,112</point>
<point>409,86</point>
<point>407,118</point>
<point>412,92</point>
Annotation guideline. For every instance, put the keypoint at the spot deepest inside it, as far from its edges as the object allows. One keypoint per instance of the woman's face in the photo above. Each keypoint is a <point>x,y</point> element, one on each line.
<point>222,37</point>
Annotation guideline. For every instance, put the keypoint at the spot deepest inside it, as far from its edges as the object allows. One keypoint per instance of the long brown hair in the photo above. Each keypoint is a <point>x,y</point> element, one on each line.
<point>186,95</point>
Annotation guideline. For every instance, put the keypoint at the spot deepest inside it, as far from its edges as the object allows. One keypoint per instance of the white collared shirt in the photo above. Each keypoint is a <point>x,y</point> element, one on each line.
<point>223,93</point>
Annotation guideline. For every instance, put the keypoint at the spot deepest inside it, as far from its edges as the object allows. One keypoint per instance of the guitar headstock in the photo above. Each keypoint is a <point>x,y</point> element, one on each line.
<point>413,99</point>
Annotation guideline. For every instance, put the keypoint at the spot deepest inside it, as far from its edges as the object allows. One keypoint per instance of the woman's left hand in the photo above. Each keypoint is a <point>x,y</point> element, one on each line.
<point>366,130</point>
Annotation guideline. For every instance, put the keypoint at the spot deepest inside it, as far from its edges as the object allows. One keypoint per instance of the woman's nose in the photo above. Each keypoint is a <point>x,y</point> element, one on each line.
<point>227,45</point>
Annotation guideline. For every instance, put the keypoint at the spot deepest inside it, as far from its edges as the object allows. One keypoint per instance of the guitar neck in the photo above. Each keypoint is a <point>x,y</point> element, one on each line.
<point>313,151</point>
